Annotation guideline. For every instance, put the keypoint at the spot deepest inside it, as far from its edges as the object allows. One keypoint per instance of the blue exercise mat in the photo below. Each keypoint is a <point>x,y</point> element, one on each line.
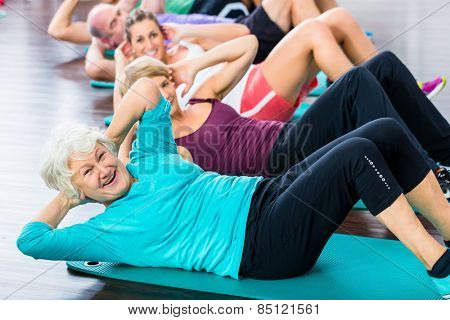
<point>350,267</point>
<point>102,84</point>
<point>107,120</point>
<point>300,110</point>
<point>108,53</point>
<point>321,86</point>
<point>369,34</point>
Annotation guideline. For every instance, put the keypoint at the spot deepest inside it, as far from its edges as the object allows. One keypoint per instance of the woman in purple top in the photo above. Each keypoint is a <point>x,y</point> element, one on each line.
<point>218,139</point>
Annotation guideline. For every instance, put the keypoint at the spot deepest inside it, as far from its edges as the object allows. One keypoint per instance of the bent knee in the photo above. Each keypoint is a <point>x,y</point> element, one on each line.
<point>339,17</point>
<point>351,151</point>
<point>358,143</point>
<point>360,74</point>
<point>387,56</point>
<point>390,128</point>
<point>312,31</point>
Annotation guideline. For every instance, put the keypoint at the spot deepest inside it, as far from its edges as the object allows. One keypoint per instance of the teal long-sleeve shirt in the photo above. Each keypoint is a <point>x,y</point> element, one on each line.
<point>175,215</point>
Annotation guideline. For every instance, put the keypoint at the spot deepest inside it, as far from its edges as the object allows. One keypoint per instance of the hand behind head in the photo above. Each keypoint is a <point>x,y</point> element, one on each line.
<point>182,72</point>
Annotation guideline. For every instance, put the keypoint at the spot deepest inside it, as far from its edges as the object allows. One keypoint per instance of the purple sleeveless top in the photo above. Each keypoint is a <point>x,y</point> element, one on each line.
<point>230,144</point>
<point>193,18</point>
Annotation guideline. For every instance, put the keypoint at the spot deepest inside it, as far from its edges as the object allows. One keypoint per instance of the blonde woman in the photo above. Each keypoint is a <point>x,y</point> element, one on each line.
<point>211,133</point>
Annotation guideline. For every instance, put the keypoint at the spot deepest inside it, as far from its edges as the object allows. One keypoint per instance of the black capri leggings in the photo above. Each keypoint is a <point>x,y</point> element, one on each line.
<point>292,216</point>
<point>382,87</point>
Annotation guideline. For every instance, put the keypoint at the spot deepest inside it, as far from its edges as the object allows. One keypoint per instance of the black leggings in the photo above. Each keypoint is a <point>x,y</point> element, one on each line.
<point>292,216</point>
<point>382,87</point>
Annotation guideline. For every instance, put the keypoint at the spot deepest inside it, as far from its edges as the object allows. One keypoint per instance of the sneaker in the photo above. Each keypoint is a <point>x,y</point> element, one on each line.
<point>443,177</point>
<point>433,87</point>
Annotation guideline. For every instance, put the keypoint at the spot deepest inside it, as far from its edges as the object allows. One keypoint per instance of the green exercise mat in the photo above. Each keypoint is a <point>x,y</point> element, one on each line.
<point>102,84</point>
<point>350,267</point>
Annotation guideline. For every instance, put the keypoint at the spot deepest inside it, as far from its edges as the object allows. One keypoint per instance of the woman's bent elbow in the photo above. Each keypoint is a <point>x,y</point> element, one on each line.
<point>27,248</point>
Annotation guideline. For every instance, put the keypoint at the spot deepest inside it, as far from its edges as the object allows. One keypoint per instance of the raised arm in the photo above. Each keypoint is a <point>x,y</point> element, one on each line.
<point>41,239</point>
<point>128,5</point>
<point>205,35</point>
<point>122,57</point>
<point>155,6</point>
<point>57,209</point>
<point>142,96</point>
<point>61,27</point>
<point>238,55</point>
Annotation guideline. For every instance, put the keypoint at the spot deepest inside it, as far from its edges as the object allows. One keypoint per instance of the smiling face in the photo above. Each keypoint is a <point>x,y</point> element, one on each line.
<point>168,91</point>
<point>100,175</point>
<point>146,39</point>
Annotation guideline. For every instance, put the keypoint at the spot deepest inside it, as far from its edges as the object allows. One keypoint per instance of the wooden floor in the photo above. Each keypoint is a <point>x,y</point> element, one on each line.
<point>42,83</point>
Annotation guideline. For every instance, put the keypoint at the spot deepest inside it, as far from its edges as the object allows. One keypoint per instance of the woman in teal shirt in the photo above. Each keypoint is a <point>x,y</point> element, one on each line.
<point>163,211</point>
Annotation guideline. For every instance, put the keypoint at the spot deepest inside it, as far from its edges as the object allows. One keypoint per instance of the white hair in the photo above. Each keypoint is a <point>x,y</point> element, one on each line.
<point>69,141</point>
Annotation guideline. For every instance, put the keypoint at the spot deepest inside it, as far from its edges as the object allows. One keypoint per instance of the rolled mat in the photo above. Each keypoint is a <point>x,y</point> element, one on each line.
<point>350,267</point>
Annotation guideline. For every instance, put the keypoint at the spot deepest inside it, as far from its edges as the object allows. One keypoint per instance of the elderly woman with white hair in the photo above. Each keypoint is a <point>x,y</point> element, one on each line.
<point>163,211</point>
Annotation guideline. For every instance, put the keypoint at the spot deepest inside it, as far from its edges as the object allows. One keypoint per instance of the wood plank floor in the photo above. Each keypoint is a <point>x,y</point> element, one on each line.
<point>42,83</point>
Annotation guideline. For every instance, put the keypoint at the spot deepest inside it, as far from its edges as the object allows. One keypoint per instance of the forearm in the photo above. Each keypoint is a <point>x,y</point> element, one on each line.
<point>142,96</point>
<point>117,97</point>
<point>55,211</point>
<point>155,6</point>
<point>97,66</point>
<point>221,32</point>
<point>62,28</point>
<point>102,69</point>
<point>238,55</point>
<point>225,52</point>
<point>63,16</point>
<point>125,147</point>
<point>127,5</point>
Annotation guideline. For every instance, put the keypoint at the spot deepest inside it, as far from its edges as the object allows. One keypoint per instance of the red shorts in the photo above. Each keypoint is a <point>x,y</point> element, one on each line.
<point>259,101</point>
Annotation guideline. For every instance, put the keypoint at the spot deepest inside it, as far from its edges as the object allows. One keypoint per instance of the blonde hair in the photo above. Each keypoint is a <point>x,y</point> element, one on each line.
<point>143,67</point>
